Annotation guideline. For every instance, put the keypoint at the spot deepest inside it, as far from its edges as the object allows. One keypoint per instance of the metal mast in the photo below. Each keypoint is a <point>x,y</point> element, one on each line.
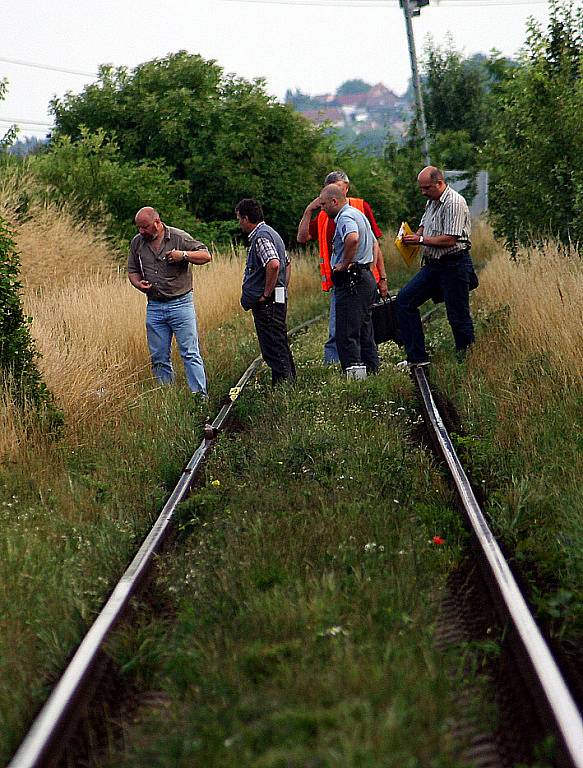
<point>411,9</point>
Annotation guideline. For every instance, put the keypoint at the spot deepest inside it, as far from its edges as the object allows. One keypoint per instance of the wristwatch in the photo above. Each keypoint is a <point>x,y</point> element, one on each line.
<point>420,239</point>
<point>184,256</point>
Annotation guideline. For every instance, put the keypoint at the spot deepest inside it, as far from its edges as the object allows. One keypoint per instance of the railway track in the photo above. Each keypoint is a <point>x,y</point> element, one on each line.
<point>46,741</point>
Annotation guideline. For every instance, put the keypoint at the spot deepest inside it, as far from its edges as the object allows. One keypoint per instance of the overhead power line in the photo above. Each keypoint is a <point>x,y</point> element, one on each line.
<point>388,3</point>
<point>49,67</point>
<point>25,131</point>
<point>18,121</point>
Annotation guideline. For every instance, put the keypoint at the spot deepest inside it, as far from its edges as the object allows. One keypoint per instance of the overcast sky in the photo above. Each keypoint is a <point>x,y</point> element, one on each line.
<point>294,45</point>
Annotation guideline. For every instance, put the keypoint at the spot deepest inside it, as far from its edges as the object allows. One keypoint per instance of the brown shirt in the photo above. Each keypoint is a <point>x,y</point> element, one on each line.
<point>169,279</point>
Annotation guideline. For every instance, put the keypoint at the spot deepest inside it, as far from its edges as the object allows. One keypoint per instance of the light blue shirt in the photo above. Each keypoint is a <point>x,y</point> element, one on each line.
<point>349,219</point>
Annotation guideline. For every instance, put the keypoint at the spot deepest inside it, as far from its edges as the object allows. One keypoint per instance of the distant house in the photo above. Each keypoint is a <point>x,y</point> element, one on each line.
<point>325,115</point>
<point>371,110</point>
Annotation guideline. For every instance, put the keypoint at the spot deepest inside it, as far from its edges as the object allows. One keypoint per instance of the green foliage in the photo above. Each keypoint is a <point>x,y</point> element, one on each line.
<point>308,584</point>
<point>454,90</point>
<point>17,352</point>
<point>459,95</point>
<point>536,149</point>
<point>405,162</point>
<point>300,100</point>
<point>353,86</point>
<point>370,142</point>
<point>373,180</point>
<point>222,136</point>
<point>453,150</point>
<point>91,174</point>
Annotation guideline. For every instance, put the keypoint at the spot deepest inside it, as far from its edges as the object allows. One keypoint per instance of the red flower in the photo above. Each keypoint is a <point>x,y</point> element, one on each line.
<point>438,540</point>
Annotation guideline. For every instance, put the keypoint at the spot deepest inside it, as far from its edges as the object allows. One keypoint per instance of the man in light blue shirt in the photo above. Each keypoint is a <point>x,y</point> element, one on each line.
<point>354,285</point>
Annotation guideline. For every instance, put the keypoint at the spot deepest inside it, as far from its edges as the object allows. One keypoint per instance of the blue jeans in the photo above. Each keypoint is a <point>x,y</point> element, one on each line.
<point>330,349</point>
<point>449,279</point>
<point>163,319</point>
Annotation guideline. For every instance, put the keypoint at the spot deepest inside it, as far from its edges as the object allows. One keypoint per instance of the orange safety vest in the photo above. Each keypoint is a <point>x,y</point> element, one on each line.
<point>325,268</point>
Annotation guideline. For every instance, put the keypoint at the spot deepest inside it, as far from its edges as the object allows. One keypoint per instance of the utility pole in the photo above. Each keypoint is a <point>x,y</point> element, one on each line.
<point>413,8</point>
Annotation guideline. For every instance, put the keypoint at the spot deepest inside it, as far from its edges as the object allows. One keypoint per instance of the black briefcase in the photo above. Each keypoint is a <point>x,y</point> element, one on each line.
<point>384,321</point>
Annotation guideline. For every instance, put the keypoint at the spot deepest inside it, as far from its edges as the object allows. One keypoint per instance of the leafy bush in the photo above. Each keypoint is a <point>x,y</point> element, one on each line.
<point>219,138</point>
<point>536,149</point>
<point>17,352</point>
<point>91,173</point>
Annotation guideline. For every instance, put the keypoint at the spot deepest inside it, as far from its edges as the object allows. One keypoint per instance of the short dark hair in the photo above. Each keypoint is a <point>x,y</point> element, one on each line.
<point>251,209</point>
<point>436,176</point>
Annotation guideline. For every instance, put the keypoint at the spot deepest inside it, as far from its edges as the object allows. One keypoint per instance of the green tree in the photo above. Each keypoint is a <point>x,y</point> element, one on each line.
<point>90,174</point>
<point>224,136</point>
<point>300,100</point>
<point>455,91</point>
<point>350,87</point>
<point>405,161</point>
<point>536,149</point>
<point>459,96</point>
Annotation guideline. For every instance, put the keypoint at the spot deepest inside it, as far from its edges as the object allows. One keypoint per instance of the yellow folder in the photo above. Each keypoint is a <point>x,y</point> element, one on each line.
<point>408,252</point>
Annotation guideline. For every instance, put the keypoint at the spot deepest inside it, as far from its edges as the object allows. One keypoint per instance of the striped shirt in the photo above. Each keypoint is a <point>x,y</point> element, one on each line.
<point>449,215</point>
<point>266,250</point>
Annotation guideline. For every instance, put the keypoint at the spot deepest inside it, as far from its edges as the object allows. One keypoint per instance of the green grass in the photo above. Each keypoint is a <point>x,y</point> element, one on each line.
<point>523,445</point>
<point>294,620</point>
<point>304,594</point>
<point>72,518</point>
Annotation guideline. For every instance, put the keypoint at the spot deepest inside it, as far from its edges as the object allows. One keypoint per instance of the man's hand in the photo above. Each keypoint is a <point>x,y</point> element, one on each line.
<point>341,267</point>
<point>411,239</point>
<point>144,286</point>
<point>314,205</point>
<point>304,226</point>
<point>383,287</point>
<point>175,255</point>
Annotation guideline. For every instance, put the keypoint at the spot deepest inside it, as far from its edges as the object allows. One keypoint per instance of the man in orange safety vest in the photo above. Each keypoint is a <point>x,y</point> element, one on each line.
<point>321,228</point>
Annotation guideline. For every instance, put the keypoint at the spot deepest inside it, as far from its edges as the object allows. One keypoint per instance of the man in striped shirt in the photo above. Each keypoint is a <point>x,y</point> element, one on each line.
<point>264,289</point>
<point>444,234</point>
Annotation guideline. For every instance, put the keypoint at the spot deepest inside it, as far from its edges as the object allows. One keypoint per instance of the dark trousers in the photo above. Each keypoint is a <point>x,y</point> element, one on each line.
<point>354,333</point>
<point>449,279</point>
<point>271,330</point>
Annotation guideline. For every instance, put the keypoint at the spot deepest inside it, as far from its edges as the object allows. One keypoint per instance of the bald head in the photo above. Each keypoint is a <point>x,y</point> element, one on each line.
<point>332,199</point>
<point>148,223</point>
<point>431,182</point>
<point>147,215</point>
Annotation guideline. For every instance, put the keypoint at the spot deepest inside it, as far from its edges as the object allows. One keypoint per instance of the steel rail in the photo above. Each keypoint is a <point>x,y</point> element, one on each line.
<point>43,743</point>
<point>557,700</point>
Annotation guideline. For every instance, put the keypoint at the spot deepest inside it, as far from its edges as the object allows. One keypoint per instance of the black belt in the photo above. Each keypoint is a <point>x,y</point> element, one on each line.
<point>447,257</point>
<point>356,265</point>
<point>164,299</point>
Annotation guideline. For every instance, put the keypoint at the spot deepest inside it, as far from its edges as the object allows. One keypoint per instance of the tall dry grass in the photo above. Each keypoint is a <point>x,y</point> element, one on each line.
<point>88,321</point>
<point>541,294</point>
<point>52,244</point>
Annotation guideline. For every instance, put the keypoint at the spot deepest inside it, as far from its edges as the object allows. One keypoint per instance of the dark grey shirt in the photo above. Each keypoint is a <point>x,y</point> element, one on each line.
<point>265,244</point>
<point>449,215</point>
<point>169,279</point>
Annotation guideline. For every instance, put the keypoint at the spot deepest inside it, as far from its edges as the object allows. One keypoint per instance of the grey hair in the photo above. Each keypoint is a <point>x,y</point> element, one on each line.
<point>335,176</point>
